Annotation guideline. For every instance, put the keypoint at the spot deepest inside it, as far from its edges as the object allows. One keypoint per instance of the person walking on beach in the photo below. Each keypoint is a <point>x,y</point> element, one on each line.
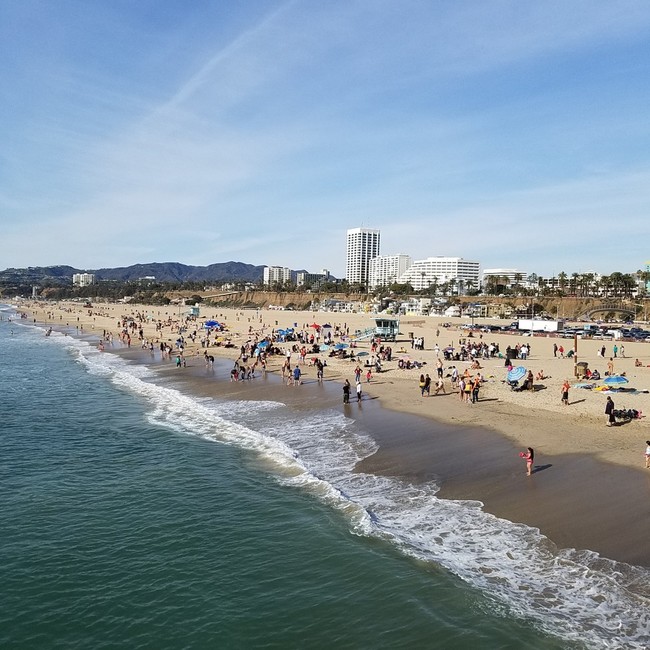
<point>565,392</point>
<point>296,375</point>
<point>609,411</point>
<point>529,456</point>
<point>440,386</point>
<point>476,386</point>
<point>427,385</point>
<point>359,390</point>
<point>346,392</point>
<point>421,385</point>
<point>610,367</point>
<point>647,454</point>
<point>461,388</point>
<point>555,349</point>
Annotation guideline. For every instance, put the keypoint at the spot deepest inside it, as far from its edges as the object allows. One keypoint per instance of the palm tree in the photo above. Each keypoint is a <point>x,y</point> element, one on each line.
<point>586,283</point>
<point>616,280</point>
<point>606,285</point>
<point>491,284</point>
<point>562,277</point>
<point>628,284</point>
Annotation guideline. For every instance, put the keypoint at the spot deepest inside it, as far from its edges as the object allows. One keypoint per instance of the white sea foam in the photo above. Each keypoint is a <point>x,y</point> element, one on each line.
<point>577,595</point>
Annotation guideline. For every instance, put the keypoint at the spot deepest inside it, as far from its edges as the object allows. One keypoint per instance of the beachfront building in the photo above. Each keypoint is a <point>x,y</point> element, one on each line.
<point>386,269</point>
<point>312,280</point>
<point>276,275</point>
<point>449,274</point>
<point>83,279</point>
<point>504,277</point>
<point>362,246</point>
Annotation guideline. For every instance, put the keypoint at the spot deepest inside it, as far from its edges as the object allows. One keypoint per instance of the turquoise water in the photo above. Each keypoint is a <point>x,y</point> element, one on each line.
<point>135,516</point>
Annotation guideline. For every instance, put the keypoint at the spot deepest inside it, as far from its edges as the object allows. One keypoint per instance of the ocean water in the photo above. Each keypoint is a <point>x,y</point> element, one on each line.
<point>136,515</point>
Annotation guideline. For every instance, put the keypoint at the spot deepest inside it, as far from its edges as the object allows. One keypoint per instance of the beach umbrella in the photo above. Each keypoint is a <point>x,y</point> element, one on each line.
<point>324,348</point>
<point>517,373</point>
<point>262,344</point>
<point>615,380</point>
<point>362,354</point>
<point>316,326</point>
<point>210,323</point>
<point>340,346</point>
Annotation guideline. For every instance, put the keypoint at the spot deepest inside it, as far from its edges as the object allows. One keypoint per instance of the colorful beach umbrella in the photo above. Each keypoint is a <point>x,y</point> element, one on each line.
<point>615,380</point>
<point>517,373</point>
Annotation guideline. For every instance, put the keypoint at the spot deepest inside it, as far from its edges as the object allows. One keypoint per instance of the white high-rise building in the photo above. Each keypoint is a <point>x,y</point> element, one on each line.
<point>273,274</point>
<point>362,246</point>
<point>387,269</point>
<point>83,279</point>
<point>441,270</point>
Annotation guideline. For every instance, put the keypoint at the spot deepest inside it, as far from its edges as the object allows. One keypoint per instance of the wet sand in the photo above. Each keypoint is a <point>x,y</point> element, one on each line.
<point>577,501</point>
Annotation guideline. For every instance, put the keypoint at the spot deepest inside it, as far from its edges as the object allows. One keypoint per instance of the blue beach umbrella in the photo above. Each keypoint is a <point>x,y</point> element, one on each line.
<point>210,323</point>
<point>263,344</point>
<point>517,373</point>
<point>324,347</point>
<point>340,346</point>
<point>362,354</point>
<point>615,380</point>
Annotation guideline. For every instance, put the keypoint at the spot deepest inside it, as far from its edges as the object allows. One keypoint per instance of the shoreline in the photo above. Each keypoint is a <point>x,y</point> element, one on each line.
<point>580,499</point>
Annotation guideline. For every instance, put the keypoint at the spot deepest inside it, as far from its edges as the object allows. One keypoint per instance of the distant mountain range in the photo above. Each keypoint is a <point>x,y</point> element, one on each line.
<point>161,271</point>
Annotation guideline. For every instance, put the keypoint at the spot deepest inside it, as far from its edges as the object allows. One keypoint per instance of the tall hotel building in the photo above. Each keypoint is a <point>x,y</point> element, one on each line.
<point>422,273</point>
<point>387,269</point>
<point>363,245</point>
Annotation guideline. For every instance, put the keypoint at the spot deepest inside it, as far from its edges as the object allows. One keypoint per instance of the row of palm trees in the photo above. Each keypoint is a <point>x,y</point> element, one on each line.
<point>586,285</point>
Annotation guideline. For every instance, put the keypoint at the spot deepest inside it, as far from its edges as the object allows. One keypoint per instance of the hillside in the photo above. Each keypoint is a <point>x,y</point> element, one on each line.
<point>161,271</point>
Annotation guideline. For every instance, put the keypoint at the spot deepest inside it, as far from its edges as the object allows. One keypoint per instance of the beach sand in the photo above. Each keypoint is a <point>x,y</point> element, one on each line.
<point>590,488</point>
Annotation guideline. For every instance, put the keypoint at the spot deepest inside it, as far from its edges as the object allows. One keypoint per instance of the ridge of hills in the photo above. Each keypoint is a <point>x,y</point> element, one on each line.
<point>161,271</point>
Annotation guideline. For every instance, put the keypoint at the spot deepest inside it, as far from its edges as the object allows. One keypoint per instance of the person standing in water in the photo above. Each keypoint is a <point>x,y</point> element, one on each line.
<point>346,392</point>
<point>529,456</point>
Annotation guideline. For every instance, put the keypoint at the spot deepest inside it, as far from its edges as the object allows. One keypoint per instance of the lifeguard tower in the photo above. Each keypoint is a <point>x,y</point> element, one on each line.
<point>386,328</point>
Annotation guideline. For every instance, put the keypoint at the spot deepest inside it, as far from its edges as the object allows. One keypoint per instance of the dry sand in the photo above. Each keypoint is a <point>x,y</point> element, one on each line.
<point>590,484</point>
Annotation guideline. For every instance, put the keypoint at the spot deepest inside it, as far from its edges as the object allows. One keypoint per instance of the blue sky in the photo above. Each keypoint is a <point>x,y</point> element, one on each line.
<point>513,133</point>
